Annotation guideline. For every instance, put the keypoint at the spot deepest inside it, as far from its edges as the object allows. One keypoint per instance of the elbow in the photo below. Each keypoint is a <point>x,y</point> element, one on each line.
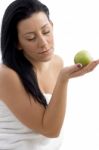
<point>52,134</point>
<point>51,130</point>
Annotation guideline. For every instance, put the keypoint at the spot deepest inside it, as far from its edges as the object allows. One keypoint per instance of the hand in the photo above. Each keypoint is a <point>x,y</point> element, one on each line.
<point>78,70</point>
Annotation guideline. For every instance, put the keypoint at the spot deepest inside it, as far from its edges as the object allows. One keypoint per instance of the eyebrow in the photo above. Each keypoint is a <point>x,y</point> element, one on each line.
<point>31,32</point>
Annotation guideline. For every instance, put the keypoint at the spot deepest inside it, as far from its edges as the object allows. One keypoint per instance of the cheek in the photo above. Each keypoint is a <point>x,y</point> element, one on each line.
<point>29,49</point>
<point>28,46</point>
<point>51,40</point>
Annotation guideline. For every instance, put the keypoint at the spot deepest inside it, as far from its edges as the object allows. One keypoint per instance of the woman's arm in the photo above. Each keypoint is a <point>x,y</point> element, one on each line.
<point>54,114</point>
<point>48,121</point>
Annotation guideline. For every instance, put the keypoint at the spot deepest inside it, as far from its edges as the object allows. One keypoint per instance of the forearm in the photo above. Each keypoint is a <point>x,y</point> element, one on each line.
<point>55,112</point>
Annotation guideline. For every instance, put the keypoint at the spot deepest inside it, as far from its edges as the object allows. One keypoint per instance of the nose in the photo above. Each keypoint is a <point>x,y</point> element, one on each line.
<point>42,42</point>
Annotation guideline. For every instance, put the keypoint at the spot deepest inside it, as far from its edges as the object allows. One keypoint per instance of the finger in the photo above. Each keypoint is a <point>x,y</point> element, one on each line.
<point>77,73</point>
<point>90,67</point>
<point>97,61</point>
<point>74,68</point>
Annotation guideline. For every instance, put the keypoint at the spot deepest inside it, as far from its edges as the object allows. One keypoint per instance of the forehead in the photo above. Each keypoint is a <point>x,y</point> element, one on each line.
<point>36,21</point>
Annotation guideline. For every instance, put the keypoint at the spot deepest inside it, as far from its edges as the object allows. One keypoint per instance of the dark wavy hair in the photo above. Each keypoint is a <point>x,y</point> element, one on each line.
<point>11,56</point>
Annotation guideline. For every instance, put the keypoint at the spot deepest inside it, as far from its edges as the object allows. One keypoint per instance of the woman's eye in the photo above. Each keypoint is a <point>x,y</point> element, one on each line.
<point>47,32</point>
<point>32,39</point>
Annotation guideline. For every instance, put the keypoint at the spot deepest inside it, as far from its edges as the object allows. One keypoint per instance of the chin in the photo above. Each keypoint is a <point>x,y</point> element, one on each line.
<point>47,57</point>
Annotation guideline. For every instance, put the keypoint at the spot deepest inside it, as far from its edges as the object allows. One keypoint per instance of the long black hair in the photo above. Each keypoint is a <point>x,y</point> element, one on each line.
<point>11,56</point>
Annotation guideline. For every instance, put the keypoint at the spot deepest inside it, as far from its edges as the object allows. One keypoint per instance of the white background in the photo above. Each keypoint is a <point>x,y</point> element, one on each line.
<point>76,27</point>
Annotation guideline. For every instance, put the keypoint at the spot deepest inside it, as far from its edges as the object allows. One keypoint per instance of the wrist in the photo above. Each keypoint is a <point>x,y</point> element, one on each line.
<point>63,77</point>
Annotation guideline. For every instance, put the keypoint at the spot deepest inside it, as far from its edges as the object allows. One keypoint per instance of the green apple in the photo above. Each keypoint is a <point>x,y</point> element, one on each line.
<point>83,57</point>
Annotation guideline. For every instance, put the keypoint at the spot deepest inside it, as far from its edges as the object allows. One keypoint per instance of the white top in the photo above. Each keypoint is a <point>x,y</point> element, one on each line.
<point>16,136</point>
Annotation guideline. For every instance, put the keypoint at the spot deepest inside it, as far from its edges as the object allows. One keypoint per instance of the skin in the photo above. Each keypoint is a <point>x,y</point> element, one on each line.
<point>49,67</point>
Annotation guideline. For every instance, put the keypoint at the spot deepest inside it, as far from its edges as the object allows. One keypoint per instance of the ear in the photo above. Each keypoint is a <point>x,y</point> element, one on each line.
<point>19,47</point>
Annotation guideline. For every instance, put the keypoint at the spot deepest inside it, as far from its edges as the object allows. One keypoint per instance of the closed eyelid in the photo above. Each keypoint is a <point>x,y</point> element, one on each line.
<point>30,36</point>
<point>42,28</point>
<point>46,28</point>
<point>33,35</point>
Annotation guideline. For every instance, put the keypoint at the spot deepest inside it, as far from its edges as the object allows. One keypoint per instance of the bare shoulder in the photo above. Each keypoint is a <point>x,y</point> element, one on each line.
<point>58,62</point>
<point>9,81</point>
<point>7,73</point>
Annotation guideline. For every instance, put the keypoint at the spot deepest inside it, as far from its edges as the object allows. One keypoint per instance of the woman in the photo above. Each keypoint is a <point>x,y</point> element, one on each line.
<point>33,81</point>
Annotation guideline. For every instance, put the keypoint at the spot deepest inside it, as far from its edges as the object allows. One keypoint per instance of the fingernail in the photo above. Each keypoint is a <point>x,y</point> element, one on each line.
<point>79,65</point>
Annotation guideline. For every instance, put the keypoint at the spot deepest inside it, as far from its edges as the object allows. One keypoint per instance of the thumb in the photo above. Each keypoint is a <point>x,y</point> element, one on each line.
<point>79,65</point>
<point>75,67</point>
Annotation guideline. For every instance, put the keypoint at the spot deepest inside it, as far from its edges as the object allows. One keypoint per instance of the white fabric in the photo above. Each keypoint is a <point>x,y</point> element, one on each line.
<point>16,136</point>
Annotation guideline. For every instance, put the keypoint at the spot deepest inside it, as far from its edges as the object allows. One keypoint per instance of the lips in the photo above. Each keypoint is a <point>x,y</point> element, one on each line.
<point>45,52</point>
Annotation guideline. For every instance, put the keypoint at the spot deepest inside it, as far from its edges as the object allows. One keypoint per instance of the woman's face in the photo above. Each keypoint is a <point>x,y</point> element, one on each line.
<point>35,36</point>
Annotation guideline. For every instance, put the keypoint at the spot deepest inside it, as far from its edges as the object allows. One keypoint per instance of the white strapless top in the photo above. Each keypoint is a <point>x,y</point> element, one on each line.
<point>16,136</point>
